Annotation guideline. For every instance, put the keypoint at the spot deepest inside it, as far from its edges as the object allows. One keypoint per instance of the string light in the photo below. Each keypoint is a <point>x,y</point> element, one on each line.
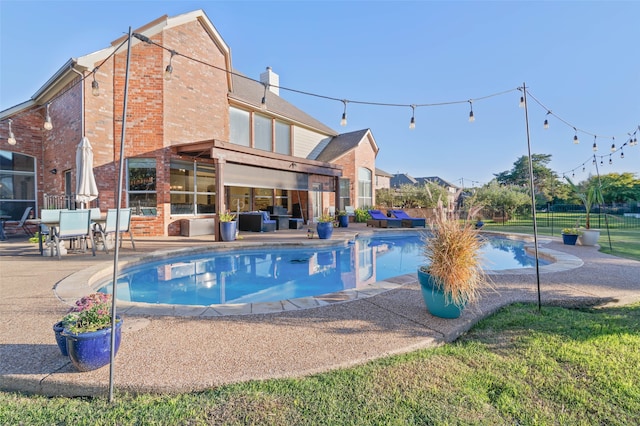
<point>471,117</point>
<point>95,87</point>
<point>11,140</point>
<point>613,145</point>
<point>343,121</point>
<point>412,123</point>
<point>546,121</point>
<point>595,145</point>
<point>622,154</point>
<point>575,137</point>
<point>610,160</point>
<point>48,125</point>
<point>169,70</point>
<point>521,104</point>
<point>263,102</point>
<point>583,169</point>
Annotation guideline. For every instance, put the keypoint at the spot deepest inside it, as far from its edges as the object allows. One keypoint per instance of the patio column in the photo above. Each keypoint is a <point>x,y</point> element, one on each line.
<point>220,202</point>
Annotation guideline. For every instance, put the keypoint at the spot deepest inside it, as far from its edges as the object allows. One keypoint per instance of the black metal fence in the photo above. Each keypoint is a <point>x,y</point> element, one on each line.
<point>568,216</point>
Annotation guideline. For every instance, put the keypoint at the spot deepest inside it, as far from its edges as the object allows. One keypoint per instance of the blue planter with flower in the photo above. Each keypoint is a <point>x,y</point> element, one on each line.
<point>325,230</point>
<point>92,350</point>
<point>60,339</point>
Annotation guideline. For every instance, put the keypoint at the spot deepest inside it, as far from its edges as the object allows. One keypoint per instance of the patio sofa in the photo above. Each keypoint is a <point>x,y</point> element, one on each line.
<point>256,222</point>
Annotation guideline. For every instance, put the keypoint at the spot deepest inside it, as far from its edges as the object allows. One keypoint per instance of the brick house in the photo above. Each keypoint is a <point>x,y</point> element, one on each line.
<point>198,141</point>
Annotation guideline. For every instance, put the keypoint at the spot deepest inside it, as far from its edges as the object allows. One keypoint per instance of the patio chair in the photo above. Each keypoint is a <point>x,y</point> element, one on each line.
<point>380,220</point>
<point>22,223</point>
<point>74,224</point>
<point>104,231</point>
<point>408,221</point>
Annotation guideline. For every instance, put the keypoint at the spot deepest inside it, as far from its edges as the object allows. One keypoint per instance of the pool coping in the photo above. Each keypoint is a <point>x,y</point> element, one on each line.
<point>84,281</point>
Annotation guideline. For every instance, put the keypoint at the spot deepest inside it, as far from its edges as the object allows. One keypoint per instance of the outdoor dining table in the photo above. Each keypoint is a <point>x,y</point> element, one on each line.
<point>52,224</point>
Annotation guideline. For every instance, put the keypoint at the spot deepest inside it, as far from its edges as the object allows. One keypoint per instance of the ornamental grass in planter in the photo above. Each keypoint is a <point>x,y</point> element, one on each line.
<point>453,275</point>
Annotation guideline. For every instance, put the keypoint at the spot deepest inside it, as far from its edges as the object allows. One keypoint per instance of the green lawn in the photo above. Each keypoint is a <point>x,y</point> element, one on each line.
<point>519,366</point>
<point>624,242</point>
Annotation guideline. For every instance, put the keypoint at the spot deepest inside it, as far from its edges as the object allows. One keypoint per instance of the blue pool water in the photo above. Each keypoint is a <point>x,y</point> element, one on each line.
<point>267,275</point>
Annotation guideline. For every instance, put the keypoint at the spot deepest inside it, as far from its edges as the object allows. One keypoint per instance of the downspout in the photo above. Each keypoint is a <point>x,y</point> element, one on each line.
<point>81,97</point>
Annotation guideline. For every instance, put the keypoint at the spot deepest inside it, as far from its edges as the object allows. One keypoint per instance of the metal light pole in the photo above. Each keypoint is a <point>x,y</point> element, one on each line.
<point>533,197</point>
<point>116,252</point>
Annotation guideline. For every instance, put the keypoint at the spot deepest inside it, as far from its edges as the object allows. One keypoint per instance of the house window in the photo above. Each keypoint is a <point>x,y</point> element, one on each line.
<point>345,197</point>
<point>141,183</point>
<point>283,138</point>
<point>17,183</point>
<point>262,135</point>
<point>282,198</point>
<point>239,127</point>
<point>364,188</point>
<point>192,188</point>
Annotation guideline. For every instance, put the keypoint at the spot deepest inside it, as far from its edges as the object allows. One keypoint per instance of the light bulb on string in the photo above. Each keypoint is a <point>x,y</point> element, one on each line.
<point>622,154</point>
<point>613,145</point>
<point>595,145</point>
<point>601,162</point>
<point>95,87</point>
<point>575,137</point>
<point>583,169</point>
<point>521,103</point>
<point>263,102</point>
<point>412,123</point>
<point>48,125</point>
<point>343,121</point>
<point>610,160</point>
<point>11,140</point>
<point>594,160</point>
<point>169,70</point>
<point>471,117</point>
<point>546,121</point>
<point>573,174</point>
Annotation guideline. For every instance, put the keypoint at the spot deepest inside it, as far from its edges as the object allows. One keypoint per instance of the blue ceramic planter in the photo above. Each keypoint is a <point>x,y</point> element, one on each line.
<point>90,351</point>
<point>60,339</point>
<point>325,230</point>
<point>569,239</point>
<point>228,231</point>
<point>344,221</point>
<point>435,300</point>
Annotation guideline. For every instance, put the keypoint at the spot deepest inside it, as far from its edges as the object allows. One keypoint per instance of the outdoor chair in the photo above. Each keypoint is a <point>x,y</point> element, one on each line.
<point>23,223</point>
<point>73,225</point>
<point>408,221</point>
<point>256,222</point>
<point>380,220</point>
<point>104,232</point>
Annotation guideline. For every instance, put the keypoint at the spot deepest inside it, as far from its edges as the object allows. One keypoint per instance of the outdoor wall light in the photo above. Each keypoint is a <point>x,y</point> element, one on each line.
<point>47,121</point>
<point>11,140</point>
<point>53,171</point>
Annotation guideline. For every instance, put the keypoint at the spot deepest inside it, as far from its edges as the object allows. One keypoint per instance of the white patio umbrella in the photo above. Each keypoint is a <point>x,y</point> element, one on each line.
<point>86,188</point>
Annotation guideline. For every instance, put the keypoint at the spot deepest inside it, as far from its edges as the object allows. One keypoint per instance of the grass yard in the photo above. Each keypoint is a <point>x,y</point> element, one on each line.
<point>625,242</point>
<point>519,366</point>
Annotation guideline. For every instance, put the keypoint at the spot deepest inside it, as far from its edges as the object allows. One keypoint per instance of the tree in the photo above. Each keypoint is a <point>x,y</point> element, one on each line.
<point>545,180</point>
<point>495,197</point>
<point>621,188</point>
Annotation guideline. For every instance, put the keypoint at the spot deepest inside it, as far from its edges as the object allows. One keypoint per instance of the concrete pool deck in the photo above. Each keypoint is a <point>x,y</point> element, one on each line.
<point>176,350</point>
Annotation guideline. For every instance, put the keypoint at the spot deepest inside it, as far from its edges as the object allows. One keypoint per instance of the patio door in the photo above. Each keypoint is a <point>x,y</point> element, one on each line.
<point>316,198</point>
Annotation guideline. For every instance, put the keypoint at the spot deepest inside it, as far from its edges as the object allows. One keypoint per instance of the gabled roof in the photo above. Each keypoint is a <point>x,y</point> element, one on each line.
<point>380,172</point>
<point>342,144</point>
<point>402,179</point>
<point>248,91</point>
<point>437,180</point>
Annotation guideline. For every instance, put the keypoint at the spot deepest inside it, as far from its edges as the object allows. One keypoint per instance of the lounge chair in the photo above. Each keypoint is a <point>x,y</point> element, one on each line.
<point>408,221</point>
<point>23,223</point>
<point>380,220</point>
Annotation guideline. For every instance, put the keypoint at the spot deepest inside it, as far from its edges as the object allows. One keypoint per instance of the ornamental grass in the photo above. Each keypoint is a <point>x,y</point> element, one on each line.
<point>454,259</point>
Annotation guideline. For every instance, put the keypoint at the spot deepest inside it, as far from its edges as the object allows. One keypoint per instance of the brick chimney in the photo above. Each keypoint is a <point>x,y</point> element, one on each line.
<point>272,79</point>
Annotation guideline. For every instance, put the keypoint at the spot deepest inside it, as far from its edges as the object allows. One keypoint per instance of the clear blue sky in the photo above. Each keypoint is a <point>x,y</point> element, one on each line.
<point>579,59</point>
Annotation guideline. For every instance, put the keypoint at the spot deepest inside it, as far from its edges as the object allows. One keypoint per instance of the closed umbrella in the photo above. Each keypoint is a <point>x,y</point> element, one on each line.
<point>86,188</point>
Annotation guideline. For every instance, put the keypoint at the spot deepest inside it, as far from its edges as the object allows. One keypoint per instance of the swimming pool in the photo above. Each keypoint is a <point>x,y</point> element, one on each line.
<point>281,273</point>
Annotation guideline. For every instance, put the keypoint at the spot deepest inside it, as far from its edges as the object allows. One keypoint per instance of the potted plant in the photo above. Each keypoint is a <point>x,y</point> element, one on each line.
<point>343,219</point>
<point>589,196</point>
<point>227,226</point>
<point>570,236</point>
<point>87,331</point>
<point>453,274</point>
<point>325,227</point>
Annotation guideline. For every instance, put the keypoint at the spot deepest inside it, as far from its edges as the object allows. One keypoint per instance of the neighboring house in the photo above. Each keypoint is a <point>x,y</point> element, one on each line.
<point>383,179</point>
<point>198,143</point>
<point>400,179</point>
